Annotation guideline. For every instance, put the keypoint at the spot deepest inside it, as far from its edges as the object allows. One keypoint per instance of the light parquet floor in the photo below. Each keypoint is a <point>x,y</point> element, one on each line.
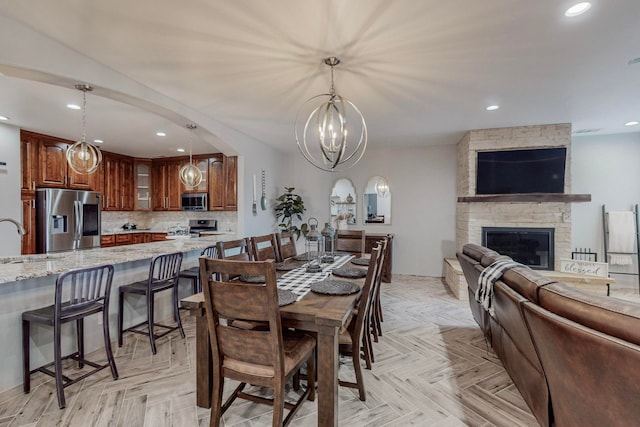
<point>432,369</point>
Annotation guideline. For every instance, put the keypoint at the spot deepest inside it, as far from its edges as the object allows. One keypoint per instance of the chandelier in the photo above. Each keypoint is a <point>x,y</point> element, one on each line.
<point>382,187</point>
<point>189,174</point>
<point>323,139</point>
<point>83,157</point>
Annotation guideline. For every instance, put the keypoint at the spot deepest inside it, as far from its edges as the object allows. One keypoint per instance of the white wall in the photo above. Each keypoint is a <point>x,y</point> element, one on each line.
<point>10,206</point>
<point>422,182</point>
<point>607,167</point>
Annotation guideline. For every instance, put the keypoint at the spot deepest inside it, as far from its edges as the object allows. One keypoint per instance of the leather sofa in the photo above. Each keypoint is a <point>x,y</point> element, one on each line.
<point>571,354</point>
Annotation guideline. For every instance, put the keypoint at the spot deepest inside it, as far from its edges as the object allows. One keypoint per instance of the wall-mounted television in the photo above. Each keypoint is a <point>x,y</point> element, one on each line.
<point>521,171</point>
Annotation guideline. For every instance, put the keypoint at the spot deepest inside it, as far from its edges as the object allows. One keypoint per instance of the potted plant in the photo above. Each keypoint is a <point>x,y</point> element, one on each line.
<point>289,208</point>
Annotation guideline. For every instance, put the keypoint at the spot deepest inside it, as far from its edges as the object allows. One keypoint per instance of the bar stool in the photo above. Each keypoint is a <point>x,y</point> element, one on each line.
<point>88,291</point>
<point>163,275</point>
<point>193,273</point>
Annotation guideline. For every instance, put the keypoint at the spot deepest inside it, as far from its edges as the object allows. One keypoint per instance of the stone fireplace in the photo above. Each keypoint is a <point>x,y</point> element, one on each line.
<point>533,247</point>
<point>525,211</point>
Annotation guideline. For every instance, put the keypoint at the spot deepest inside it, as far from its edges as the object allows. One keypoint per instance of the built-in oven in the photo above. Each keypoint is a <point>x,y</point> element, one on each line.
<point>194,202</point>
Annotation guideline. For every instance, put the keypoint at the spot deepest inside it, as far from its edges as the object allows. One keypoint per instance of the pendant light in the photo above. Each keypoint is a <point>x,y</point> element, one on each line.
<point>382,187</point>
<point>323,139</point>
<point>83,157</point>
<point>190,175</point>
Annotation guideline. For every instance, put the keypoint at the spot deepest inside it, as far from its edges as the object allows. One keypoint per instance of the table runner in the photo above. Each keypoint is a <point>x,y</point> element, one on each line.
<point>299,281</point>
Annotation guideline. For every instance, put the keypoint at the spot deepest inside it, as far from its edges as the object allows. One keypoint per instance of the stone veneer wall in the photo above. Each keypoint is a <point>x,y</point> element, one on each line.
<point>472,216</point>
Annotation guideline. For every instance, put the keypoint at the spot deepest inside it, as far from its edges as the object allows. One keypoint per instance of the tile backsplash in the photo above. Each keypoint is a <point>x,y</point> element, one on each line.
<point>161,221</point>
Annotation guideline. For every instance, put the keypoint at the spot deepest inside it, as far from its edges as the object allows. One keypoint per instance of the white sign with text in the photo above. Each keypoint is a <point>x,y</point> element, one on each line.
<point>585,268</point>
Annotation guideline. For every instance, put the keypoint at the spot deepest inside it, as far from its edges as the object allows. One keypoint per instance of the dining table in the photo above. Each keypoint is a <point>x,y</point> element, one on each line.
<point>322,314</point>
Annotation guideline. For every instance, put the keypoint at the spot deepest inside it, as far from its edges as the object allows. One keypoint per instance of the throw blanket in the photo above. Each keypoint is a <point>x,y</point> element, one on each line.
<point>488,276</point>
<point>622,233</point>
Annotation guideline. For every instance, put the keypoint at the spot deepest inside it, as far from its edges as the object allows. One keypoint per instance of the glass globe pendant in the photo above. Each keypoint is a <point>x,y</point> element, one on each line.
<point>323,139</point>
<point>189,174</point>
<point>83,157</point>
<point>382,187</point>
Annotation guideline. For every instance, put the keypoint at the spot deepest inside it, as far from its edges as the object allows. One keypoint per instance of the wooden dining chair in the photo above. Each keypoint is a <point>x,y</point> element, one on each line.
<point>266,358</point>
<point>373,328</point>
<point>350,241</point>
<point>264,247</point>
<point>286,242</point>
<point>78,293</point>
<point>163,276</point>
<point>239,250</point>
<point>351,338</point>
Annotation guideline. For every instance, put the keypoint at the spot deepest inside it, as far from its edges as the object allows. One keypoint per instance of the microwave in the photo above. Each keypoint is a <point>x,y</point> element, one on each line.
<point>194,202</point>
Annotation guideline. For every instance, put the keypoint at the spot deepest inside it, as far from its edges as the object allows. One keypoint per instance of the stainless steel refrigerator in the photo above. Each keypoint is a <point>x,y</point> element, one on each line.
<point>67,220</point>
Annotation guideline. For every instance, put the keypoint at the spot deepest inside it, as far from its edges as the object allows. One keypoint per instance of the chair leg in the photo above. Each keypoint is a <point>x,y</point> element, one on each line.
<point>355,353</point>
<point>176,309</point>
<point>57,355</point>
<point>26,370</point>
<point>80,341</point>
<point>366,347</point>
<point>216,400</point>
<point>107,344</point>
<point>120,315</point>
<point>311,376</point>
<point>152,337</point>
<point>278,405</point>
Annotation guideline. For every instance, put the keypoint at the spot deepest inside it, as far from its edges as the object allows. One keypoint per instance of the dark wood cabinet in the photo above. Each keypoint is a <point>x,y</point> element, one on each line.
<point>53,170</point>
<point>370,242</point>
<point>29,224</point>
<point>230,183</point>
<point>140,238</point>
<point>109,240</point>
<point>158,237</point>
<point>117,182</point>
<point>166,187</point>
<point>223,178</point>
<point>202,163</point>
<point>142,184</point>
<point>28,161</point>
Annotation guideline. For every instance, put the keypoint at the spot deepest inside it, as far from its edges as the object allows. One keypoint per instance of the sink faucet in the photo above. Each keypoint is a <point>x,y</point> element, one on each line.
<point>17,224</point>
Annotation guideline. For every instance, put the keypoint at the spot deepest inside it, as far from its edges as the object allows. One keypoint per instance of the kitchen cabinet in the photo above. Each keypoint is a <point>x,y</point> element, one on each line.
<point>118,183</point>
<point>165,185</point>
<point>223,183</point>
<point>53,170</point>
<point>140,238</point>
<point>124,239</point>
<point>142,187</point>
<point>28,161</point>
<point>106,241</point>
<point>29,224</point>
<point>158,237</point>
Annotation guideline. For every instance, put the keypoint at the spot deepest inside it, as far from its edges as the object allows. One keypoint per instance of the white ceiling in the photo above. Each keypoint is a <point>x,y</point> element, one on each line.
<point>421,71</point>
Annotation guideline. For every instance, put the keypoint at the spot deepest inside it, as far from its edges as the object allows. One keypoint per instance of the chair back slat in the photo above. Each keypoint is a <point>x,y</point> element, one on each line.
<point>235,249</point>
<point>80,287</point>
<point>233,300</point>
<point>286,245</point>
<point>165,268</point>
<point>210,251</point>
<point>350,241</point>
<point>264,247</point>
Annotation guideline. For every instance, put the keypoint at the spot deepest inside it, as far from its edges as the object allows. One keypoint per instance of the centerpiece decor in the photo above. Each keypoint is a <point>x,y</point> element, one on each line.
<point>314,247</point>
<point>328,235</point>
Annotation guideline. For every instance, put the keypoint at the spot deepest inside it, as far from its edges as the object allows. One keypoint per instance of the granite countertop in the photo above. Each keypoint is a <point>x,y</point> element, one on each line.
<point>137,230</point>
<point>32,266</point>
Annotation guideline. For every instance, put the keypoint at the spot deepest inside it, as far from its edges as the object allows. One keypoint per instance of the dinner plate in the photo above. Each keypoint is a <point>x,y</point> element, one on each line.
<point>351,273</point>
<point>288,266</point>
<point>334,287</point>
<point>286,297</point>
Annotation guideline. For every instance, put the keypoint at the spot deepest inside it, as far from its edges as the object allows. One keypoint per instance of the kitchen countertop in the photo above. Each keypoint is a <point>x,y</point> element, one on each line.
<point>137,230</point>
<point>32,266</point>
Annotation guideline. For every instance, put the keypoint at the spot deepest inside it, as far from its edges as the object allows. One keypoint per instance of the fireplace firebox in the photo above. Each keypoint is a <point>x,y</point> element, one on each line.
<point>530,246</point>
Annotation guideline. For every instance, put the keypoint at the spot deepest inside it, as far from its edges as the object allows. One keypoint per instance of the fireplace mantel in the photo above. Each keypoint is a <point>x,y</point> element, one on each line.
<point>531,198</point>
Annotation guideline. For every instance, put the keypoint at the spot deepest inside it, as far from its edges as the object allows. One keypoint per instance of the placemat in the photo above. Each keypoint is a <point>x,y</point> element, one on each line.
<point>299,281</point>
<point>255,279</point>
<point>287,266</point>
<point>334,287</point>
<point>300,257</point>
<point>286,297</point>
<point>351,273</point>
<point>360,261</point>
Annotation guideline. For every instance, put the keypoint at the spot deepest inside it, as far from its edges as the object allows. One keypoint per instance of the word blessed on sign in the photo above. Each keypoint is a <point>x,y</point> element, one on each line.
<point>585,268</point>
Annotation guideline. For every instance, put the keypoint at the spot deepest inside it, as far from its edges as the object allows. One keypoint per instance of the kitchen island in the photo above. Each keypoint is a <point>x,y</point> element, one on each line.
<point>28,282</point>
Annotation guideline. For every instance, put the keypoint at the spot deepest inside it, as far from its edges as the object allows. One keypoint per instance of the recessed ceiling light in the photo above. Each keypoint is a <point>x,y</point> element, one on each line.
<point>632,123</point>
<point>4,118</point>
<point>577,9</point>
<point>492,107</point>
<point>180,150</point>
<point>634,61</point>
<point>98,141</point>
<point>161,134</point>
<point>73,106</point>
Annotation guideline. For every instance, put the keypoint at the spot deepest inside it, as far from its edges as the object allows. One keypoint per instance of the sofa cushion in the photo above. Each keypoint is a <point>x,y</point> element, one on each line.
<point>490,258</point>
<point>476,251</point>
<point>608,315</point>
<point>525,281</point>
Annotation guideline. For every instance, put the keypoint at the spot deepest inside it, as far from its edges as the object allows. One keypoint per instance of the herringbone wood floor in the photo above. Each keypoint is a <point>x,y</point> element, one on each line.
<point>432,369</point>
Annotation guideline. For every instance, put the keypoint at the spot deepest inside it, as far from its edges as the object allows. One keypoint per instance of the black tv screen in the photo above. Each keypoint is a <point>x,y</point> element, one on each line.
<point>521,171</point>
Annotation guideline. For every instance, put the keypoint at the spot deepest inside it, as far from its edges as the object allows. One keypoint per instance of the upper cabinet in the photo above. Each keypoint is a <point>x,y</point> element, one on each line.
<point>142,185</point>
<point>166,187</point>
<point>222,178</point>
<point>53,170</point>
<point>118,192</point>
<point>202,163</point>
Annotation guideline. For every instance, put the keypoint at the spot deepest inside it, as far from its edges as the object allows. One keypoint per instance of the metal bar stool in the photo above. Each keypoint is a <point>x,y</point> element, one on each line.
<point>88,291</point>
<point>193,273</point>
<point>163,275</point>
